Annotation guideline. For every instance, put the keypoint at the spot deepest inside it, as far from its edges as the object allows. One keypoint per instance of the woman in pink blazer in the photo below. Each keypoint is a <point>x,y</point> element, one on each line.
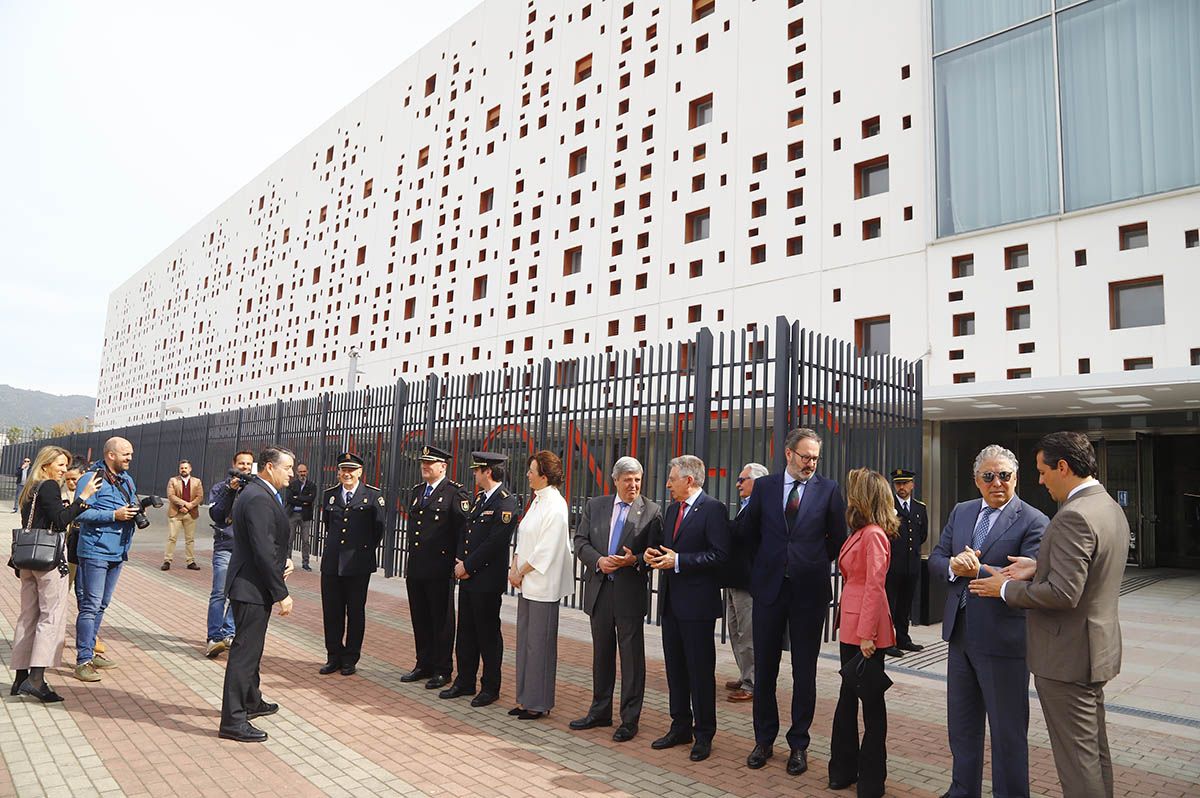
<point>865,630</point>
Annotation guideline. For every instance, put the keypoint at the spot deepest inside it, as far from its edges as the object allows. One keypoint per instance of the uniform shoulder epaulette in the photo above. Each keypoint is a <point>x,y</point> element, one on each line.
<point>504,494</point>
<point>335,486</point>
<point>372,487</point>
<point>455,484</point>
<point>918,501</point>
<point>418,485</point>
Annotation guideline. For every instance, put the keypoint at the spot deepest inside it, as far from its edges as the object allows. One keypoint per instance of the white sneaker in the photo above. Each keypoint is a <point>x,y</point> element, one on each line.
<point>215,647</point>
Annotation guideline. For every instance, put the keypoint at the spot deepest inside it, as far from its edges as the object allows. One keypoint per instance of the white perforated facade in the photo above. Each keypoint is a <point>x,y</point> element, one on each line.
<point>548,179</point>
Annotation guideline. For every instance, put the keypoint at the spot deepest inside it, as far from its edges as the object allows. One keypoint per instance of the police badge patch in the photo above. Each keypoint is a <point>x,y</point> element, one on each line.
<point>332,499</point>
<point>506,516</point>
<point>466,506</point>
<point>381,502</point>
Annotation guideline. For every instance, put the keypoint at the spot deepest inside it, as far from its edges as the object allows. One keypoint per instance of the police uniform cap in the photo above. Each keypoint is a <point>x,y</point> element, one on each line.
<point>487,459</point>
<point>903,475</point>
<point>349,460</point>
<point>432,454</point>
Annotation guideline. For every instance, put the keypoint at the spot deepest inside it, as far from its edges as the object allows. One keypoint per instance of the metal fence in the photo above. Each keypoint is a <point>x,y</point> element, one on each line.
<point>729,399</point>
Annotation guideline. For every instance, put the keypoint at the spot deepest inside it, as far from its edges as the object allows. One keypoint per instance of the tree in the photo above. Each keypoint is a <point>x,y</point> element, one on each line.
<point>36,433</point>
<point>13,434</point>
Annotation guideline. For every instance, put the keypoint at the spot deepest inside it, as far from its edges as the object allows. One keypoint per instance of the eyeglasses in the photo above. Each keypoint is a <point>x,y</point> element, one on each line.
<point>806,458</point>
<point>989,476</point>
<point>740,480</point>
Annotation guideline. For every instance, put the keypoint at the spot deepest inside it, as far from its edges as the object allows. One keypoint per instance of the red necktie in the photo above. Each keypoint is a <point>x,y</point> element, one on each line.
<point>678,521</point>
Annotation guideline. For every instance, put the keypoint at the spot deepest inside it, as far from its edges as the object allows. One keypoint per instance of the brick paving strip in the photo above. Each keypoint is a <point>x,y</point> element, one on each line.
<point>149,727</point>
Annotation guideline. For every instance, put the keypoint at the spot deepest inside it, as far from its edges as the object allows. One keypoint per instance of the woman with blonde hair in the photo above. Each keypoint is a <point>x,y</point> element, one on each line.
<point>39,631</point>
<point>865,630</point>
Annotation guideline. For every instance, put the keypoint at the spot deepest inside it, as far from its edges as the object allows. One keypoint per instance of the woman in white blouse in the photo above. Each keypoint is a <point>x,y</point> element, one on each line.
<point>542,571</point>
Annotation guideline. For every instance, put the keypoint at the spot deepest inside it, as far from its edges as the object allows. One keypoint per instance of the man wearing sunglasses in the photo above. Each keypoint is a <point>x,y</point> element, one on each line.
<point>987,678</point>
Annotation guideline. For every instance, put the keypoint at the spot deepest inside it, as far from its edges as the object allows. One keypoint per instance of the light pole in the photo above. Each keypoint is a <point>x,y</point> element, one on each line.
<point>352,370</point>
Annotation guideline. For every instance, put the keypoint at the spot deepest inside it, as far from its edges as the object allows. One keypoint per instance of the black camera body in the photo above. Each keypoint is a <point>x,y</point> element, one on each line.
<point>140,518</point>
<point>241,476</point>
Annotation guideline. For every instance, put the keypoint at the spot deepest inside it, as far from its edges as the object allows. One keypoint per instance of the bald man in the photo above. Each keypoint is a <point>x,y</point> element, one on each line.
<point>105,534</point>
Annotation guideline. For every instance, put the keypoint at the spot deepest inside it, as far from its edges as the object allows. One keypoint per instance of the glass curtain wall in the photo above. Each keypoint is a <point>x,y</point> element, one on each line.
<point>1116,81</point>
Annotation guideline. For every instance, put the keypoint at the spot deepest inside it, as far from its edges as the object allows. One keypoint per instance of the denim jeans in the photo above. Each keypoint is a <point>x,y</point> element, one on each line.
<point>220,613</point>
<point>95,581</point>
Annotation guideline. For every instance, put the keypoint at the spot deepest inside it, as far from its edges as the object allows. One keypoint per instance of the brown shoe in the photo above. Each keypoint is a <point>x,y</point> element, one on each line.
<point>733,684</point>
<point>166,566</point>
<point>99,648</point>
<point>740,695</point>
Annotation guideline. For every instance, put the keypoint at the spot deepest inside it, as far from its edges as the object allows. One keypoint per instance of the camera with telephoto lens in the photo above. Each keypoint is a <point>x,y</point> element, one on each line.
<point>139,517</point>
<point>241,476</point>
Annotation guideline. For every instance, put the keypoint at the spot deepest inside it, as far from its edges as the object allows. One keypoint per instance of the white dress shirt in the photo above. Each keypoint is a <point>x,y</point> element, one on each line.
<point>544,543</point>
<point>788,481</point>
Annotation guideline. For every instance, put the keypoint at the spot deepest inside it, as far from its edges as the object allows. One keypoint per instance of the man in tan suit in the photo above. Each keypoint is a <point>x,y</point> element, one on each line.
<point>185,493</point>
<point>1070,593</point>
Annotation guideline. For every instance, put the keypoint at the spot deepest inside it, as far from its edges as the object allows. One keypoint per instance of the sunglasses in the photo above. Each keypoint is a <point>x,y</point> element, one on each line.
<point>989,476</point>
<point>740,480</point>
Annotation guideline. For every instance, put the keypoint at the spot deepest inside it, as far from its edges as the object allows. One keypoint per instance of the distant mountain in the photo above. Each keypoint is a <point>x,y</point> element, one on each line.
<point>27,409</point>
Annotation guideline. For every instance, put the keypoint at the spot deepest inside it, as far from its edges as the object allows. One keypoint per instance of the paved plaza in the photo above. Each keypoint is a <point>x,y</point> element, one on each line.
<point>149,727</point>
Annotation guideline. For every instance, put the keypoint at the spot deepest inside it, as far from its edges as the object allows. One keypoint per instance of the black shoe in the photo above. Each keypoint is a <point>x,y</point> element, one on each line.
<point>193,567</point>
<point>589,722</point>
<point>671,739</point>
<point>348,670</point>
<point>759,756</point>
<point>244,734</point>
<point>441,680</point>
<point>700,751</point>
<point>454,691</point>
<point>483,699</point>
<point>264,709</point>
<point>415,675</point>
<point>841,785</point>
<point>45,693</point>
<point>892,651</point>
<point>528,714</point>
<point>328,668</point>
<point>166,566</point>
<point>910,646</point>
<point>625,732</point>
<point>306,567</point>
<point>798,762</point>
<point>515,711</point>
<point>19,678</point>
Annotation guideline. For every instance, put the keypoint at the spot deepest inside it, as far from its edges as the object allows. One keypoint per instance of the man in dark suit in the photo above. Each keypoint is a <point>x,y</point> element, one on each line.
<point>688,552</point>
<point>437,516</point>
<point>301,496</point>
<point>797,521</point>
<point>986,675</point>
<point>904,571</point>
<point>22,476</point>
<point>257,571</point>
<point>1071,594</point>
<point>352,514</point>
<point>611,537</point>
<point>481,569</point>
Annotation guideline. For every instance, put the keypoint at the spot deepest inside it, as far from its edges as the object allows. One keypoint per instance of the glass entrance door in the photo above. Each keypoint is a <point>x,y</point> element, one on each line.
<point>1119,474</point>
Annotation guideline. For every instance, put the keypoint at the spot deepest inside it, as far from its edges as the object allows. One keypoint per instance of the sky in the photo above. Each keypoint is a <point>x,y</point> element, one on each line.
<point>123,123</point>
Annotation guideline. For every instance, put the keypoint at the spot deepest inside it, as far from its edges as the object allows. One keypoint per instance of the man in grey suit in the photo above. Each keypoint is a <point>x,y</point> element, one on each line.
<point>986,675</point>
<point>1071,595</point>
<point>610,539</point>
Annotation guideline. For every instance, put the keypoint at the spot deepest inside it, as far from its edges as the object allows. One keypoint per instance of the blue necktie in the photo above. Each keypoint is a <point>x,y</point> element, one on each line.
<point>279,498</point>
<point>977,540</point>
<point>615,536</point>
<point>428,493</point>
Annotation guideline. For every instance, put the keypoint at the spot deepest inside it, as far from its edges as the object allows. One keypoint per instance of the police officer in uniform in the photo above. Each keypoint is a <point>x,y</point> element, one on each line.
<point>437,519</point>
<point>904,573</point>
<point>352,514</point>
<point>481,569</point>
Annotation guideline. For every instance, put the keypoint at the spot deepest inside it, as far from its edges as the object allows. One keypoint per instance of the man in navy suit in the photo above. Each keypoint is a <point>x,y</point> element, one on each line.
<point>986,676</point>
<point>688,549</point>
<point>797,521</point>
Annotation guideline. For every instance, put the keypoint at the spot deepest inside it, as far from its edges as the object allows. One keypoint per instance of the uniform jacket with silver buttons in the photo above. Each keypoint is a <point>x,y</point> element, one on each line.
<point>352,531</point>
<point>435,527</point>
<point>484,548</point>
<point>906,547</point>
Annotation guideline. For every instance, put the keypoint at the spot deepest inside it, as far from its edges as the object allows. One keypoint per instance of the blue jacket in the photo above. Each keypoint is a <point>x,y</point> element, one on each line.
<point>220,510</point>
<point>100,537</point>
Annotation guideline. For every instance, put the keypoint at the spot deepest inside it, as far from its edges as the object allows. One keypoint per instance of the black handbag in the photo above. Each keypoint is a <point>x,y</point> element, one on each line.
<point>36,549</point>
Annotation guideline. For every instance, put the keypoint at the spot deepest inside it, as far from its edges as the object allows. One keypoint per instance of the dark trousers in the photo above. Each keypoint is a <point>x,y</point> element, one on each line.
<point>983,687</point>
<point>430,602</point>
<point>848,759</point>
<point>479,637</point>
<point>241,693</point>
<point>900,590</point>
<point>691,659</point>
<point>612,633</point>
<point>344,610</point>
<point>803,622</point>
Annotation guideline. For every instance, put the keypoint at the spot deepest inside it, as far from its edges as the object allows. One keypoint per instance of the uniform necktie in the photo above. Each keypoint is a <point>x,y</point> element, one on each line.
<point>679,520</point>
<point>905,504</point>
<point>614,535</point>
<point>428,493</point>
<point>977,539</point>
<point>793,503</point>
<point>346,497</point>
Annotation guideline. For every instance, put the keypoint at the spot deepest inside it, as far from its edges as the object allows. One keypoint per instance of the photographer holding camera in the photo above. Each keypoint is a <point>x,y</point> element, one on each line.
<point>105,534</point>
<point>220,510</point>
